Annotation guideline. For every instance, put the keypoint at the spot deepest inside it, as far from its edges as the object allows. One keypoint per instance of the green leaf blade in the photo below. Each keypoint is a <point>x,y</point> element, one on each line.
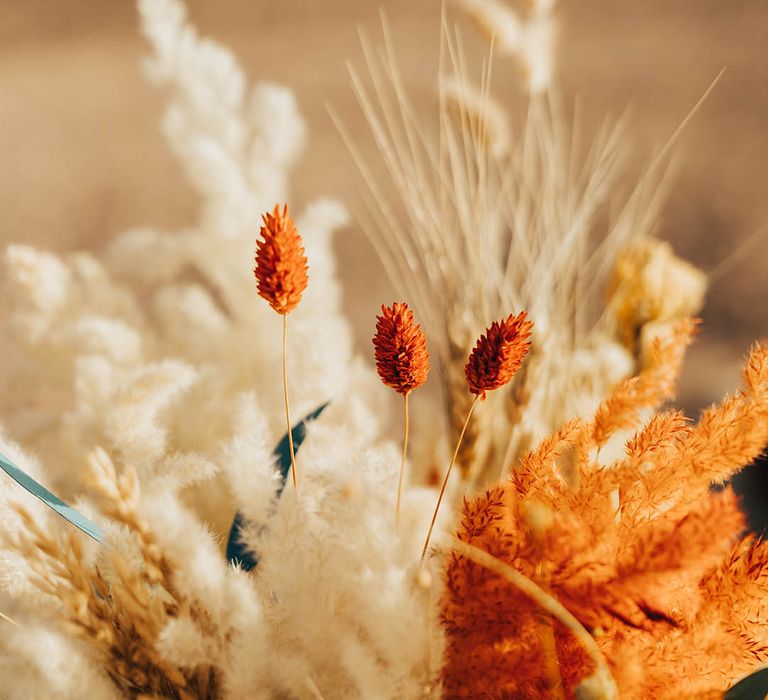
<point>237,552</point>
<point>51,500</point>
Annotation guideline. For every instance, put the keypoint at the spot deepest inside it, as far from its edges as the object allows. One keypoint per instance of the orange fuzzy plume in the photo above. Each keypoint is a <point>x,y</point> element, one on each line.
<point>498,354</point>
<point>281,265</point>
<point>402,360</point>
<point>645,556</point>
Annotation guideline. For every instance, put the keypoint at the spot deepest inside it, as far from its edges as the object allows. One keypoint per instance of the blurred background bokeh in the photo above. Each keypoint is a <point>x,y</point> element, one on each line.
<point>83,157</point>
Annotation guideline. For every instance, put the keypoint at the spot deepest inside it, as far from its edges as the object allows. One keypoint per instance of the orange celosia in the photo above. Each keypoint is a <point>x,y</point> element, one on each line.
<point>282,276</point>
<point>641,552</point>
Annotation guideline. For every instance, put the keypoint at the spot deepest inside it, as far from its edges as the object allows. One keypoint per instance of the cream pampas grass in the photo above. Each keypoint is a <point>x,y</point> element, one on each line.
<point>156,352</point>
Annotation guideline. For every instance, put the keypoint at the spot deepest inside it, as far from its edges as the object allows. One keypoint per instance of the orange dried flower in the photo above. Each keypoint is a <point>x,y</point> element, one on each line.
<point>642,553</point>
<point>402,360</point>
<point>498,354</point>
<point>281,265</point>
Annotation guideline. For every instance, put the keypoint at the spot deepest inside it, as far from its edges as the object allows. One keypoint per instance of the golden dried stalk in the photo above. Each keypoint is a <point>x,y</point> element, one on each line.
<point>472,450</point>
<point>120,617</point>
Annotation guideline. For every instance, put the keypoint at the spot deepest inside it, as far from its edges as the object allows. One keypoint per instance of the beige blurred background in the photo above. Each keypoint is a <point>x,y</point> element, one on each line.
<point>82,156</point>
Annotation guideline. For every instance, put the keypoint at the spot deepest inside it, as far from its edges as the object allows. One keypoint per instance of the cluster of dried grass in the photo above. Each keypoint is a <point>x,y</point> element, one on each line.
<point>481,215</point>
<point>570,578</point>
<point>121,604</point>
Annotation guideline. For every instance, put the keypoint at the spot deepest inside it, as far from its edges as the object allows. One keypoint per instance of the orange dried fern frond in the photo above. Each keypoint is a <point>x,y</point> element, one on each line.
<point>689,458</point>
<point>641,552</point>
<point>647,390</point>
<point>735,432</point>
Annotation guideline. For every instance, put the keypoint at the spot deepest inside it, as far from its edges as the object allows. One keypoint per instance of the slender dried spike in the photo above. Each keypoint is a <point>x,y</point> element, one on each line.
<point>447,476</point>
<point>287,406</point>
<point>8,619</point>
<point>472,449</point>
<point>282,276</point>
<point>404,455</point>
<point>402,361</point>
<point>495,359</point>
<point>498,354</point>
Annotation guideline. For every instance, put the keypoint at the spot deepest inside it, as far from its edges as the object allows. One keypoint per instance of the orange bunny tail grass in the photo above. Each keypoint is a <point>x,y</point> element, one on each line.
<point>642,553</point>
<point>282,276</point>
<point>281,266</point>
<point>498,354</point>
<point>495,359</point>
<point>402,360</point>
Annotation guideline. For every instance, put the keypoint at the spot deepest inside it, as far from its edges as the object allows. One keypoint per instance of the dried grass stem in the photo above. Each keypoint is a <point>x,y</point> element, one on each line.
<point>287,406</point>
<point>448,474</point>
<point>538,595</point>
<point>405,454</point>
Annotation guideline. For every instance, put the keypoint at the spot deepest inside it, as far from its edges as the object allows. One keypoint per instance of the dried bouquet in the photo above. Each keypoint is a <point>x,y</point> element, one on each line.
<point>243,525</point>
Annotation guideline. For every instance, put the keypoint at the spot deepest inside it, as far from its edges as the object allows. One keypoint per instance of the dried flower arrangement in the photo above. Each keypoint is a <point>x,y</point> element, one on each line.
<point>596,563</point>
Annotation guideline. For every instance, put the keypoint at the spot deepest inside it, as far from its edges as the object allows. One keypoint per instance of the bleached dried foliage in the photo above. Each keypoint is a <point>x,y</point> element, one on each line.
<point>651,287</point>
<point>163,615</point>
<point>481,217</point>
<point>149,348</point>
<point>524,29</point>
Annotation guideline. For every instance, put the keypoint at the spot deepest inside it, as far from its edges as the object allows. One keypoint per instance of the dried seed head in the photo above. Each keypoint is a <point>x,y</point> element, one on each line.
<point>281,265</point>
<point>400,346</point>
<point>498,354</point>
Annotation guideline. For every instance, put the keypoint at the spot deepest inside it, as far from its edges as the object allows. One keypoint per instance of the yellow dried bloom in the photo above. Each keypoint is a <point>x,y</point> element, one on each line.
<point>650,283</point>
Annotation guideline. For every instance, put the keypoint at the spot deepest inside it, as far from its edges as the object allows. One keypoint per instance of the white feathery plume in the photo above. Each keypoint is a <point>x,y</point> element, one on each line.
<point>528,34</point>
<point>159,352</point>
